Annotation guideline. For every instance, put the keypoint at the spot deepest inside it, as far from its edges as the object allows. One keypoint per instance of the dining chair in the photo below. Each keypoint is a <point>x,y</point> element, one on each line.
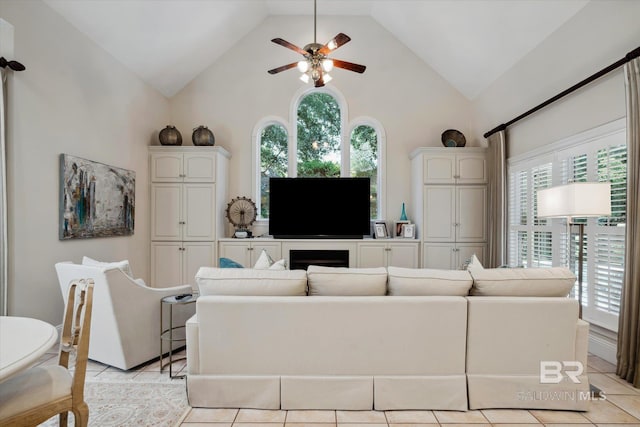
<point>42,392</point>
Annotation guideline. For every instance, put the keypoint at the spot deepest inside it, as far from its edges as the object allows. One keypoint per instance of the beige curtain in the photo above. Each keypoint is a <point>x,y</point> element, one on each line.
<point>497,200</point>
<point>3,195</point>
<point>629,323</point>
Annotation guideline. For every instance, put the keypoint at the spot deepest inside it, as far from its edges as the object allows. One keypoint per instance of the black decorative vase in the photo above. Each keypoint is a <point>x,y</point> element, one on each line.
<point>203,136</point>
<point>170,136</point>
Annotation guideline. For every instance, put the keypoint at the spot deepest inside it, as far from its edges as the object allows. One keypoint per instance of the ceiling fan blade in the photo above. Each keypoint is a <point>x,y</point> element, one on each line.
<point>334,43</point>
<point>349,66</point>
<point>283,68</point>
<point>288,45</point>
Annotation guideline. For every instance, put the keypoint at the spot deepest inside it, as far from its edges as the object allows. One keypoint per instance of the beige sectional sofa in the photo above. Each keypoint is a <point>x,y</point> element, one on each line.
<point>357,339</point>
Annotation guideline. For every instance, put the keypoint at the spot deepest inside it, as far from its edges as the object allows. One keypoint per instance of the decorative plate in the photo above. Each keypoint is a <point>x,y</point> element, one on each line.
<point>453,138</point>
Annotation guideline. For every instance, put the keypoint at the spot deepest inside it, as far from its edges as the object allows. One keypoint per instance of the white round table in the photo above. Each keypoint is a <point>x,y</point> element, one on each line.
<point>22,342</point>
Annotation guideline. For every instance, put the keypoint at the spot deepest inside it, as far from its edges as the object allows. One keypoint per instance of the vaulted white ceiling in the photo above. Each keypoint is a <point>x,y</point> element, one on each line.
<point>169,42</point>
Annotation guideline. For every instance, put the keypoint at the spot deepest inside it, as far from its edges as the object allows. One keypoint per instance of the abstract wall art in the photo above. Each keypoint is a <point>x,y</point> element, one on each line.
<point>96,200</point>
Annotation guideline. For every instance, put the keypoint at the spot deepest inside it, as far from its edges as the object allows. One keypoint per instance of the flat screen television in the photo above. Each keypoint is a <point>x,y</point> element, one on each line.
<point>319,208</point>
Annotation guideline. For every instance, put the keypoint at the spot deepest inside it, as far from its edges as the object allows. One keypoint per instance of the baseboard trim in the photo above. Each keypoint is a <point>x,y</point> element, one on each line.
<point>603,347</point>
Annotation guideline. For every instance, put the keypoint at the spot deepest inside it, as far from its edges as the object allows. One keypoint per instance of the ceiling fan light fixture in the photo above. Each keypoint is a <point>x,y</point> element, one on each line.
<point>316,63</point>
<point>303,66</point>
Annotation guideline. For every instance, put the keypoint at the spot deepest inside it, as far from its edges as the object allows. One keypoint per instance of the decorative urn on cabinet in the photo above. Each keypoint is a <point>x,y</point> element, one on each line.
<point>202,135</point>
<point>170,136</point>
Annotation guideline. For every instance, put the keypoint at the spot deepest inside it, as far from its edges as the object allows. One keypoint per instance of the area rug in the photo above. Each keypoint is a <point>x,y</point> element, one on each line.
<point>132,403</point>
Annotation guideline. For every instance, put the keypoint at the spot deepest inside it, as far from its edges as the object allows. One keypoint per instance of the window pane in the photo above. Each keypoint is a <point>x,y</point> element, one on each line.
<point>318,136</point>
<point>609,270</point>
<point>541,177</point>
<point>273,161</point>
<point>612,167</point>
<point>364,160</point>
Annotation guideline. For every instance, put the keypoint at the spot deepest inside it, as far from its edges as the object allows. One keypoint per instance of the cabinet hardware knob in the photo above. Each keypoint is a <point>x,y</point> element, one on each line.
<point>182,223</point>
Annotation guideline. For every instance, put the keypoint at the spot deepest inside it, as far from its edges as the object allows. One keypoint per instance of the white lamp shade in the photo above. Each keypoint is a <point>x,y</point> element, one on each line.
<point>578,199</point>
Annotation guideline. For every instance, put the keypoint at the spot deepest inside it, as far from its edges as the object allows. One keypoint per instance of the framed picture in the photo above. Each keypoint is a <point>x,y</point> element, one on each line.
<point>96,200</point>
<point>398,227</point>
<point>409,231</point>
<point>380,230</point>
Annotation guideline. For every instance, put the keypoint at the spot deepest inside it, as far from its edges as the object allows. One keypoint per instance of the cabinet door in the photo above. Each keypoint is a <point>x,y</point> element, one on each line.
<point>166,167</point>
<point>196,255</point>
<point>199,167</point>
<point>403,255</point>
<point>274,250</point>
<point>439,213</point>
<point>236,251</point>
<point>471,213</point>
<point>439,169</point>
<point>166,212</point>
<point>471,169</point>
<point>372,255</point>
<point>198,212</point>
<point>440,256</point>
<point>166,264</point>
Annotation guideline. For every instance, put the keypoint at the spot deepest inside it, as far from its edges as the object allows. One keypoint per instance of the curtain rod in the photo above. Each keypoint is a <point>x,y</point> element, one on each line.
<point>628,57</point>
<point>14,65</point>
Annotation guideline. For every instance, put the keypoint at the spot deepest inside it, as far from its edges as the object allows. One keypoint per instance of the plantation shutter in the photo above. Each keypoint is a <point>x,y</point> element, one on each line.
<point>542,242</point>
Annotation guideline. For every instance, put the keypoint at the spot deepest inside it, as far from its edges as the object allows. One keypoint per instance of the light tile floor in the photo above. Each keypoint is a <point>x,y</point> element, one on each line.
<point>621,407</point>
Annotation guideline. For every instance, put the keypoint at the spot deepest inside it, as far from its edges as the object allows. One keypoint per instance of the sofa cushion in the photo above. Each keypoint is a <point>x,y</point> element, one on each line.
<point>530,282</point>
<point>428,282</point>
<point>342,281</point>
<point>122,265</point>
<point>245,281</point>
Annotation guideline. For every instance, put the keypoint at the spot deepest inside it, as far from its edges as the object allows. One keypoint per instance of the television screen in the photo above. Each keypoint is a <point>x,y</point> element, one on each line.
<point>319,208</point>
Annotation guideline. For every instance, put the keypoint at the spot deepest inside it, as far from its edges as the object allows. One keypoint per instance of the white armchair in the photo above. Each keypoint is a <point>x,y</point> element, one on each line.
<point>125,329</point>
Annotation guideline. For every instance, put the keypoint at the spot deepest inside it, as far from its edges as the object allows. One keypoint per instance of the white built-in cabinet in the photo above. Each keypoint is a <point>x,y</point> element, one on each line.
<point>188,196</point>
<point>396,253</point>
<point>364,253</point>
<point>246,252</point>
<point>450,204</point>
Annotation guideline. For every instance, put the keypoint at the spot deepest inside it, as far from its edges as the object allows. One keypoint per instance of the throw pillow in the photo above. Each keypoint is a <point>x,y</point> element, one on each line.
<point>229,263</point>
<point>341,281</point>
<point>264,261</point>
<point>251,282</point>
<point>428,282</point>
<point>525,282</point>
<point>122,265</point>
<point>472,262</point>
<point>279,265</point>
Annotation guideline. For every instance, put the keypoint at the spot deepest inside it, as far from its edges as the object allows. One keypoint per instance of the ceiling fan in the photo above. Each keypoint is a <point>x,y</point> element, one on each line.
<point>316,65</point>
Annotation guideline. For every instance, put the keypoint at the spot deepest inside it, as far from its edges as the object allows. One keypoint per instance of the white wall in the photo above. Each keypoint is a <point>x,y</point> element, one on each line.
<point>75,99</point>
<point>600,34</point>
<point>413,103</point>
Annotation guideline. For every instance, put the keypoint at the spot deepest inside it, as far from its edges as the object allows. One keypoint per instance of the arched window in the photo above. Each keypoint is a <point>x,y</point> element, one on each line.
<point>319,135</point>
<point>319,141</point>
<point>363,157</point>
<point>274,140</point>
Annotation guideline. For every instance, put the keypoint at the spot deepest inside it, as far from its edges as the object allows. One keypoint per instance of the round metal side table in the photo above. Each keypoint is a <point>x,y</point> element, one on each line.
<point>173,334</point>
